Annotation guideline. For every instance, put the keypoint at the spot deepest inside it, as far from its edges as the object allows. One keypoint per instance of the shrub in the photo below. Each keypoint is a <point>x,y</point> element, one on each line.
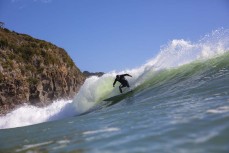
<point>13,47</point>
<point>23,70</point>
<point>32,81</point>
<point>7,64</point>
<point>33,45</point>
<point>3,43</point>
<point>40,70</point>
<point>43,44</point>
<point>12,56</point>
<point>30,68</point>
<point>1,76</point>
<point>26,53</point>
<point>7,30</point>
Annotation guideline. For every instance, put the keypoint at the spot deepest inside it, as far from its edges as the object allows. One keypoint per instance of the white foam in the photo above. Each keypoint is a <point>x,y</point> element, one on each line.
<point>206,136</point>
<point>101,131</point>
<point>26,147</point>
<point>219,110</point>
<point>28,115</point>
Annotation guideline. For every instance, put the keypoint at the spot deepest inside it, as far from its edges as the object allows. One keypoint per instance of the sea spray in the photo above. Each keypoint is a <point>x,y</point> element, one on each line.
<point>180,52</point>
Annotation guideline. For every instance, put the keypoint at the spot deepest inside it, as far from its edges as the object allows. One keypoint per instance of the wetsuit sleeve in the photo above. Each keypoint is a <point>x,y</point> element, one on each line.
<point>127,75</point>
<point>114,82</point>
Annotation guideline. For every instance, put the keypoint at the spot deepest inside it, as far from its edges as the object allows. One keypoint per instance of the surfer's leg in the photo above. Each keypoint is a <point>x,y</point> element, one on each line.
<point>127,84</point>
<point>120,88</point>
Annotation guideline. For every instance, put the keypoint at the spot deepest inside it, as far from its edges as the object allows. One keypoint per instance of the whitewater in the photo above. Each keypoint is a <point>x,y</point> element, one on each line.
<point>180,104</point>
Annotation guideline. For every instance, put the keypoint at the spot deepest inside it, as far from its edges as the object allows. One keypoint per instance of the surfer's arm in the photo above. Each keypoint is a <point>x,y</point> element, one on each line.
<point>114,82</point>
<point>127,75</point>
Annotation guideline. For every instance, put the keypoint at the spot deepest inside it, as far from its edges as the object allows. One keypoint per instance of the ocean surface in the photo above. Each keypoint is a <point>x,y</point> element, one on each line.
<point>179,104</point>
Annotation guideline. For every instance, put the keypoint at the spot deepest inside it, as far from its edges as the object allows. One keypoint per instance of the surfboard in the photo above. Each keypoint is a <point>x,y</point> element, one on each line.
<point>120,97</point>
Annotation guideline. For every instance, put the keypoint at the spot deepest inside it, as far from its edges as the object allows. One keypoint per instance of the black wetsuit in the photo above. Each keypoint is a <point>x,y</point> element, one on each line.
<point>122,80</point>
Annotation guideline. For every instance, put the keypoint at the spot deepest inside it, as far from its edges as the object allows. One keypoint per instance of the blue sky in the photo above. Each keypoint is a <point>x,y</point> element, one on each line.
<point>106,35</point>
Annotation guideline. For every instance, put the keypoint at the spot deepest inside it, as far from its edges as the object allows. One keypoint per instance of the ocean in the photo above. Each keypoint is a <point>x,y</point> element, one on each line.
<point>180,103</point>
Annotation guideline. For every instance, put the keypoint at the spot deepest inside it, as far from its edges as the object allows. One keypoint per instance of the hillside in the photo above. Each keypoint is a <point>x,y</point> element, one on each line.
<point>34,71</point>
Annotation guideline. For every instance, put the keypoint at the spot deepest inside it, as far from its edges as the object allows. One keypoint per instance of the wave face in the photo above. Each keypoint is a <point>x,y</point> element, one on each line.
<point>182,68</point>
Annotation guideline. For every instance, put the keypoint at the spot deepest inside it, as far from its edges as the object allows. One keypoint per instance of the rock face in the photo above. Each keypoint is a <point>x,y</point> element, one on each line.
<point>34,71</point>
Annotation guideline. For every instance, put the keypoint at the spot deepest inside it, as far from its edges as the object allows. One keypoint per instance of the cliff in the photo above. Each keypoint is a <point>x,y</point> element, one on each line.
<point>34,71</point>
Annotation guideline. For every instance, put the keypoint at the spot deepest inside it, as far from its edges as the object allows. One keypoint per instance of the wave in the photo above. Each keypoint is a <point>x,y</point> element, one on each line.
<point>178,63</point>
<point>175,54</point>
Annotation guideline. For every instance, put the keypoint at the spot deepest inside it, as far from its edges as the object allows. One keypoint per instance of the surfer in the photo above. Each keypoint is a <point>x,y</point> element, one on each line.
<point>122,80</point>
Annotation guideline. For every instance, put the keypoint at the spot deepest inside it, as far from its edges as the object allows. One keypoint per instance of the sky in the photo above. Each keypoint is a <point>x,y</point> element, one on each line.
<point>107,35</point>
